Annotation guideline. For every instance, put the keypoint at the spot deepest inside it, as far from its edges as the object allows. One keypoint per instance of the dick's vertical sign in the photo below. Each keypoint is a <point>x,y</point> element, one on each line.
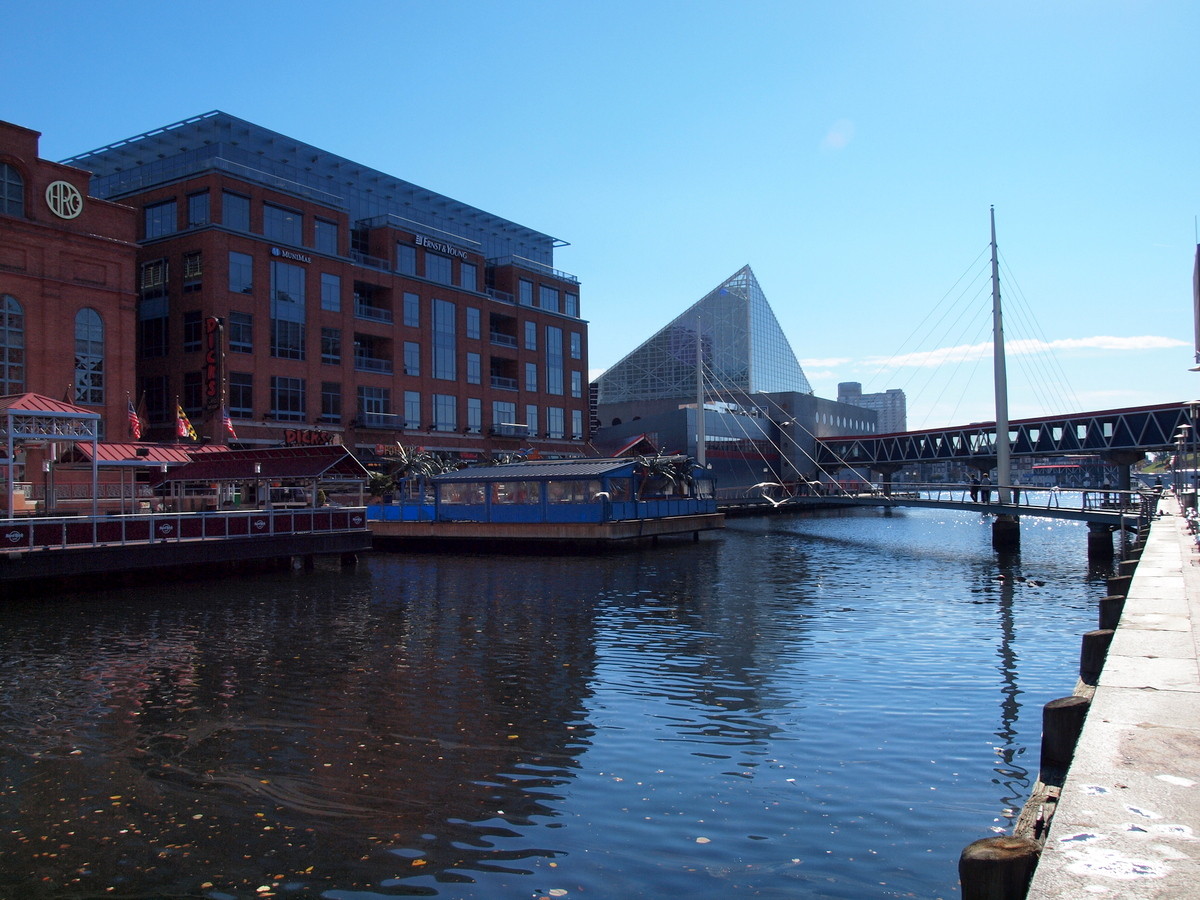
<point>212,362</point>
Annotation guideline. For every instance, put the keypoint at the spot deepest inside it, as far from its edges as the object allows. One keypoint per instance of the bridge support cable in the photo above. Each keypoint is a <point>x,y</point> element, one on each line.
<point>762,408</point>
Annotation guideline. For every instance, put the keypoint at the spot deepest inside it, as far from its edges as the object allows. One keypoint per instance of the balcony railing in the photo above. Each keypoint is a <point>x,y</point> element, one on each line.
<point>504,384</point>
<point>365,363</point>
<point>374,313</point>
<point>503,340</point>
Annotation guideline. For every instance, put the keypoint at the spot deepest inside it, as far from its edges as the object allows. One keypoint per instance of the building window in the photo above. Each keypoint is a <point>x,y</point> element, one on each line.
<point>554,360</point>
<point>287,398</point>
<point>504,412</point>
<point>235,211</point>
<point>12,191</point>
<point>576,384</point>
<point>474,415</point>
<point>193,394</point>
<point>198,209</point>
<point>571,305</point>
<point>576,345</point>
<point>153,282</point>
<point>531,419</point>
<point>331,401</point>
<point>331,346</point>
<point>406,259</point>
<point>474,368</point>
<point>331,292</point>
<point>412,409</point>
<point>374,407</point>
<point>412,310</point>
<point>577,424</point>
<point>12,346</point>
<point>473,323</point>
<point>548,298</point>
<point>531,377</point>
<point>241,395</point>
<point>525,292</point>
<point>531,335</point>
<point>445,412</point>
<point>554,422</point>
<point>325,237</point>
<point>438,268</point>
<point>287,311</point>
<point>154,395</point>
<point>283,225</point>
<point>193,330</point>
<point>412,358</point>
<point>241,273</point>
<point>152,327</point>
<point>89,357</point>
<point>241,332</point>
<point>160,219</point>
<point>193,271</point>
<point>468,276</point>
<point>445,362</point>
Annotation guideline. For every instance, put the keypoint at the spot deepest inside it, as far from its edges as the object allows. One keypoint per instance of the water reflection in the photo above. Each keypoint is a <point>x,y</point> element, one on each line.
<point>804,705</point>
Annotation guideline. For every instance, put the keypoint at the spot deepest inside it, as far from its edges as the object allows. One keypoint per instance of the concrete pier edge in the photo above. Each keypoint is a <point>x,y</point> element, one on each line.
<point>1126,823</point>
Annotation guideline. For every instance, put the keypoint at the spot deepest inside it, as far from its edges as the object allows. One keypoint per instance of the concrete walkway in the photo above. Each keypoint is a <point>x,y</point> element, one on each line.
<point>1128,822</point>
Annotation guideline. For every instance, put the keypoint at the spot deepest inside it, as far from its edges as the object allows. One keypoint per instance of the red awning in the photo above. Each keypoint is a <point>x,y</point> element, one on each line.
<point>329,462</point>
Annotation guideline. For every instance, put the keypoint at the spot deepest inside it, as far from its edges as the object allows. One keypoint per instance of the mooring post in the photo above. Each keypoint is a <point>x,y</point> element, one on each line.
<point>998,868</point>
<point>1111,608</point>
<point>1062,723</point>
<point>1092,654</point>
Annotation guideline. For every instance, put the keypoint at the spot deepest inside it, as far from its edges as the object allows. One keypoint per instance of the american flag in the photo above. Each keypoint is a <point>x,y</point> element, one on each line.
<point>225,420</point>
<point>135,422</point>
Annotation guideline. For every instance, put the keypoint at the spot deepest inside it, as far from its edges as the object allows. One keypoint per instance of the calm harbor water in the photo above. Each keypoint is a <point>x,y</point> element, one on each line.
<point>829,706</point>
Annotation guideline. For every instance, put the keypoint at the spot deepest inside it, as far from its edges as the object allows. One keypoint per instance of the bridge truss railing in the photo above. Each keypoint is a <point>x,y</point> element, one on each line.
<point>1021,495</point>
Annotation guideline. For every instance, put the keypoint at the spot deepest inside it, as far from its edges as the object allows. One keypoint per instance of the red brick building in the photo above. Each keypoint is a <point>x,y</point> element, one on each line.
<point>67,273</point>
<point>314,299</point>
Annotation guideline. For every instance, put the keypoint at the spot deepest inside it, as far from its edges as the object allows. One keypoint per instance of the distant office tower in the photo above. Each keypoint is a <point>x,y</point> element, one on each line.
<point>890,406</point>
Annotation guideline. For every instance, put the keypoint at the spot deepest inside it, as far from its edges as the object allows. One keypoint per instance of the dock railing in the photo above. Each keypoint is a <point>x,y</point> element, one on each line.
<point>77,532</point>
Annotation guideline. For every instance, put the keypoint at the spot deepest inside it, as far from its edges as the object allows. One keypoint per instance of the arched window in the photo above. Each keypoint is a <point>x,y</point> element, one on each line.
<point>12,191</point>
<point>89,357</point>
<point>12,346</point>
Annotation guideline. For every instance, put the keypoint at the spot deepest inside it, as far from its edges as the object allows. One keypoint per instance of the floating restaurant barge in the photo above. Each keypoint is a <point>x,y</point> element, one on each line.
<point>564,502</point>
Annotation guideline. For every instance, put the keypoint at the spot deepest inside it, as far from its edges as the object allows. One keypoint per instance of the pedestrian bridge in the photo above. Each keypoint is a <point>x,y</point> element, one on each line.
<point>1108,510</point>
<point>1120,435</point>
<point>1115,509</point>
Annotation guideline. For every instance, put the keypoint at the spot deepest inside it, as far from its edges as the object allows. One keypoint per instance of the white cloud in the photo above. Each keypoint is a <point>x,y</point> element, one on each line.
<point>969,352</point>
<point>828,363</point>
<point>840,134</point>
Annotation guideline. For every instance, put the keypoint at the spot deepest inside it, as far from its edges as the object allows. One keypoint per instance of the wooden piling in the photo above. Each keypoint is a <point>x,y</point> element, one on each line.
<point>998,868</point>
<point>1119,584</point>
<point>1062,722</point>
<point>1091,655</point>
<point>1111,608</point>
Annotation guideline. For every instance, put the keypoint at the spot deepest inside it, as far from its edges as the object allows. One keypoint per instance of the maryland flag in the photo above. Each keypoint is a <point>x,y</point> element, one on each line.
<point>183,427</point>
<point>135,422</point>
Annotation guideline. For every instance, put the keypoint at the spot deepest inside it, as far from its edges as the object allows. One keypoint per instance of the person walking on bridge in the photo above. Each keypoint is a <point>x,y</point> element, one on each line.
<point>986,489</point>
<point>974,488</point>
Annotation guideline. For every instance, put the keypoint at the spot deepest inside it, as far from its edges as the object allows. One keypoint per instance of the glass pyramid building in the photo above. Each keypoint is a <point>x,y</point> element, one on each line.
<point>744,351</point>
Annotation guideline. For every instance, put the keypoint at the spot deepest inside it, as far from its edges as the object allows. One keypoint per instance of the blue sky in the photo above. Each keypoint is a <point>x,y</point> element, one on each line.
<point>847,151</point>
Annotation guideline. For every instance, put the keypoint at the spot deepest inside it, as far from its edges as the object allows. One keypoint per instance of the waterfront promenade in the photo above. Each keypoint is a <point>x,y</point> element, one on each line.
<point>1128,822</point>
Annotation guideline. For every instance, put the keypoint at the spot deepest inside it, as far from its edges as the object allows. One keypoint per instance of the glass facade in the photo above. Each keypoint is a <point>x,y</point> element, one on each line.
<point>744,350</point>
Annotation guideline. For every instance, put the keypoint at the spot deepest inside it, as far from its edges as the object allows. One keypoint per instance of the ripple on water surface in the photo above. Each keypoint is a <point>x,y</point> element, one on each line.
<point>820,707</point>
